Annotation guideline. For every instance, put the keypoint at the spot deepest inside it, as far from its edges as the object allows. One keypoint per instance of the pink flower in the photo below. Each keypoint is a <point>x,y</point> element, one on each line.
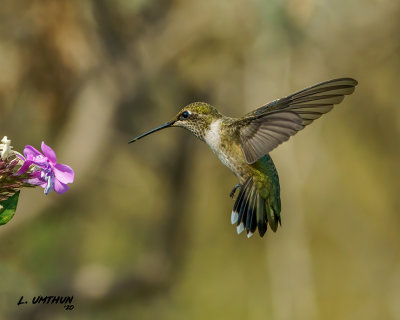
<point>49,174</point>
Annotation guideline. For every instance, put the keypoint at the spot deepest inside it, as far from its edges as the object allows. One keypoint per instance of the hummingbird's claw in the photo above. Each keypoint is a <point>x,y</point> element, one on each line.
<point>232,194</point>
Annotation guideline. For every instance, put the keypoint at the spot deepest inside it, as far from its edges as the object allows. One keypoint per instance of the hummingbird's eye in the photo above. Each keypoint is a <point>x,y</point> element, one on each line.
<point>184,115</point>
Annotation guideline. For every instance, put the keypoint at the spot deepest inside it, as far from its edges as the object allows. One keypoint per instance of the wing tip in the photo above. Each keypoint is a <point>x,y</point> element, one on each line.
<point>351,81</point>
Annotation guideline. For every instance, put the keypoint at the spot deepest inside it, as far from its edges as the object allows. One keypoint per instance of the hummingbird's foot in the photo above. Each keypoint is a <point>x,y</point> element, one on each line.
<point>232,194</point>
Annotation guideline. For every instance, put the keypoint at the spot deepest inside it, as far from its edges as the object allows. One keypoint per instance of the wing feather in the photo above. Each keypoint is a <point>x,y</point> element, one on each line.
<point>265,128</point>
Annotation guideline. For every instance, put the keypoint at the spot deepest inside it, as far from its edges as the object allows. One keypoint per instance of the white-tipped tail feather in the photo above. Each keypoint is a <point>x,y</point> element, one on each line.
<point>240,228</point>
<point>234,217</point>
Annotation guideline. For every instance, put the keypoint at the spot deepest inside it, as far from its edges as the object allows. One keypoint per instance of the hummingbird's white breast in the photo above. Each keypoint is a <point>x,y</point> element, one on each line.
<point>213,135</point>
<point>213,138</point>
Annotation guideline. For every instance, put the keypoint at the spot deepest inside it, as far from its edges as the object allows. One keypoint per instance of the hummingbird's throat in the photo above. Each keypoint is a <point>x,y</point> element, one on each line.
<point>213,135</point>
<point>229,155</point>
<point>195,128</point>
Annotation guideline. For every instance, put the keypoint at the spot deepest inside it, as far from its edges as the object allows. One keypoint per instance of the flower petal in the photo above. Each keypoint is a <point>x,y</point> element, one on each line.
<point>29,150</point>
<point>24,168</point>
<point>37,180</point>
<point>49,153</point>
<point>60,187</point>
<point>20,156</point>
<point>64,173</point>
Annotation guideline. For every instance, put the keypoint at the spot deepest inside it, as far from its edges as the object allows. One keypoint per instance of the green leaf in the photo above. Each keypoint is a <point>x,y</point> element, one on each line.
<point>8,209</point>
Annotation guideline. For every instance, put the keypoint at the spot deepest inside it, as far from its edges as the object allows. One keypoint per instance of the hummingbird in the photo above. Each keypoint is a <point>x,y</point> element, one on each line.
<point>243,145</point>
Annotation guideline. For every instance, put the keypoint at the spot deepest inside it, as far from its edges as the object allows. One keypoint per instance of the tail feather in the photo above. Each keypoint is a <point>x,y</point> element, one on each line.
<point>243,202</point>
<point>238,202</point>
<point>271,218</point>
<point>261,216</point>
<point>237,212</point>
<point>252,211</point>
<point>253,224</point>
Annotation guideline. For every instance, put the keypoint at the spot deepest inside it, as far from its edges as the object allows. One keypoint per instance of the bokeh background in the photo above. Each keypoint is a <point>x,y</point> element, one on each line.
<point>144,232</point>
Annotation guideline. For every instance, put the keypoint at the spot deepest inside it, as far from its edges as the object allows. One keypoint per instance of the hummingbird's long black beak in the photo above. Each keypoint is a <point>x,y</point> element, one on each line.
<point>165,125</point>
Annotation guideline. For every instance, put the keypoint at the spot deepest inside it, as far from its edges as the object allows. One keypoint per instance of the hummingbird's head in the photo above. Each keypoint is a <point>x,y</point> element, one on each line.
<point>195,117</point>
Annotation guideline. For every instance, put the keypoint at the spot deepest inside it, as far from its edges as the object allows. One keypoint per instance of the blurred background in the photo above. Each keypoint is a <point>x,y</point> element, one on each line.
<point>144,232</point>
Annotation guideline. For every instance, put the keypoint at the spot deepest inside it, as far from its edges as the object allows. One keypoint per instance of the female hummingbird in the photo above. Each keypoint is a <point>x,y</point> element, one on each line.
<point>243,144</point>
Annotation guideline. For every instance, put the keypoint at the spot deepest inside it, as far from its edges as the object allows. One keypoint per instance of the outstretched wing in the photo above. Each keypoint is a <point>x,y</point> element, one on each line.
<point>265,128</point>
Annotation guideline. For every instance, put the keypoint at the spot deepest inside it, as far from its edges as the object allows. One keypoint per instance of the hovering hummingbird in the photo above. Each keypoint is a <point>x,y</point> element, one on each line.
<point>243,144</point>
